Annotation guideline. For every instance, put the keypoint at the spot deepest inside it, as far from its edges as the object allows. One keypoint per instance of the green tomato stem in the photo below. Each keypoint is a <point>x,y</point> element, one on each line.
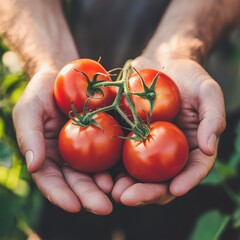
<point>126,73</point>
<point>137,126</point>
<point>114,105</point>
<point>108,84</point>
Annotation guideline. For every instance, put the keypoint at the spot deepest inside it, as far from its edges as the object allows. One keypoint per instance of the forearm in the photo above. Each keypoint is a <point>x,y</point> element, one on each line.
<point>38,32</point>
<point>190,28</point>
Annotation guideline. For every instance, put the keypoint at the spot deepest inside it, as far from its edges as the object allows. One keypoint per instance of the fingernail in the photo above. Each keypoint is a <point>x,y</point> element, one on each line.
<point>29,158</point>
<point>140,204</point>
<point>212,141</point>
<point>91,211</point>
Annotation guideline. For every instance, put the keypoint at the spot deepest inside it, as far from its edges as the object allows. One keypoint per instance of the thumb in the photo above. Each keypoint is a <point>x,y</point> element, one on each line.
<point>27,119</point>
<point>212,118</point>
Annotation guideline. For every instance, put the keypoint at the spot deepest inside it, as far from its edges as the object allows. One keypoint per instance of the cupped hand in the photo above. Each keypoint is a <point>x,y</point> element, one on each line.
<point>38,121</point>
<point>201,118</point>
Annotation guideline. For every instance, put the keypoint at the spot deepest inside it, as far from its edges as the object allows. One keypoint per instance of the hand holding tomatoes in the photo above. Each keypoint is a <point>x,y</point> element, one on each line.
<point>202,119</point>
<point>58,181</point>
<point>38,122</point>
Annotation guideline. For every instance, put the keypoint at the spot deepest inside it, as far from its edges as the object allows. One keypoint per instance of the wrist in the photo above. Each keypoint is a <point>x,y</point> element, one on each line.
<point>177,48</point>
<point>191,32</point>
<point>51,63</point>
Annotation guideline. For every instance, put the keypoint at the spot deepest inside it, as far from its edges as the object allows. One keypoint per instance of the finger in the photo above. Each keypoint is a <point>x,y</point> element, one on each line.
<point>91,197</point>
<point>212,117</point>
<point>123,182</point>
<point>27,120</point>
<point>197,168</point>
<point>146,193</point>
<point>52,184</point>
<point>104,181</point>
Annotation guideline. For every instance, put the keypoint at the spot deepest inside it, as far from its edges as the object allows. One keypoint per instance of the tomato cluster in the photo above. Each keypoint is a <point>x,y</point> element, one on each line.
<point>153,150</point>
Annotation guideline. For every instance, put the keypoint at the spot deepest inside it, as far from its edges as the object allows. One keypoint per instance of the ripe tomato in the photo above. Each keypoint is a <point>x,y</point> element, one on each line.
<point>71,86</point>
<point>160,157</point>
<point>167,100</point>
<point>91,149</point>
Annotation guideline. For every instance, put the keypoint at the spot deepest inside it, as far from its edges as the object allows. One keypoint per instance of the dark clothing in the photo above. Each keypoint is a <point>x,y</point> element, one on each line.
<point>115,30</point>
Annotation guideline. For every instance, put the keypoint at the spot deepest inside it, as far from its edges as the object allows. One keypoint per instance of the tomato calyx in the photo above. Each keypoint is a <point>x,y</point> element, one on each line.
<point>149,93</point>
<point>92,90</point>
<point>141,132</point>
<point>140,129</point>
<point>84,119</point>
<point>137,125</point>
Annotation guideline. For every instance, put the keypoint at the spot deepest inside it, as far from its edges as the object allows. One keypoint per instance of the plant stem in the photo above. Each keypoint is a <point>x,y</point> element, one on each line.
<point>126,72</point>
<point>122,83</point>
<point>108,84</point>
<point>232,195</point>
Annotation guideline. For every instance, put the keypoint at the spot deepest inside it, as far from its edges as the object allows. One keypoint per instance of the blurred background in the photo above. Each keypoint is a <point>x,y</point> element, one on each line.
<point>210,211</point>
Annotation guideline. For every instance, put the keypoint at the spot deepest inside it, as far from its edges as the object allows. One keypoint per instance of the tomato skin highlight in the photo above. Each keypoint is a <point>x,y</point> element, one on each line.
<point>160,157</point>
<point>91,149</point>
<point>167,101</point>
<point>71,86</point>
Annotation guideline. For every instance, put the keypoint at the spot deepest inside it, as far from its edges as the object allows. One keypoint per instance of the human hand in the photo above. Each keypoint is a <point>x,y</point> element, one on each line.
<point>202,119</point>
<point>38,121</point>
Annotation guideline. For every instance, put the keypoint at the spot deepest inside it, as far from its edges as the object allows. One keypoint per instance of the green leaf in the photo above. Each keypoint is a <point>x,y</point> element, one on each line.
<point>2,125</point>
<point>210,226</point>
<point>7,216</point>
<point>6,156</point>
<point>11,82</point>
<point>237,141</point>
<point>234,160</point>
<point>236,218</point>
<point>220,173</point>
<point>213,178</point>
<point>16,93</point>
<point>33,208</point>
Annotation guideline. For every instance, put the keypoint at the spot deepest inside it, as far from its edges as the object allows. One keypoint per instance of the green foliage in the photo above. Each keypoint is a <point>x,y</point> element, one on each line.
<point>5,155</point>
<point>20,201</point>
<point>210,226</point>
<point>220,173</point>
<point>213,223</point>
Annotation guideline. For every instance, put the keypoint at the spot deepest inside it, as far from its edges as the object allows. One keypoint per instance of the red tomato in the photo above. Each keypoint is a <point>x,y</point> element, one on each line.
<point>167,101</point>
<point>91,149</point>
<point>160,157</point>
<point>71,86</point>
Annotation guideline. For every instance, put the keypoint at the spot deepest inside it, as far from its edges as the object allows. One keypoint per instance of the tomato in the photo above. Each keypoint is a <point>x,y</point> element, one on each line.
<point>91,149</point>
<point>160,157</point>
<point>167,99</point>
<point>71,86</point>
